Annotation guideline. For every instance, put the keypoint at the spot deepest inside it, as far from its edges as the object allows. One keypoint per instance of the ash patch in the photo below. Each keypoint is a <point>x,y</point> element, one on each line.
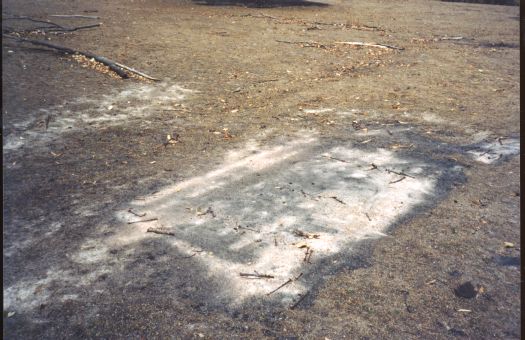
<point>133,103</point>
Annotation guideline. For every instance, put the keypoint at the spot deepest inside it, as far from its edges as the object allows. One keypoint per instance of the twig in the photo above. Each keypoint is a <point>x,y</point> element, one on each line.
<point>308,255</point>
<point>337,159</point>
<point>74,16</point>
<point>259,16</point>
<point>151,219</point>
<point>257,275</point>
<point>451,38</point>
<point>374,167</point>
<point>337,199</point>
<point>396,181</point>
<point>369,219</point>
<point>136,72</point>
<point>160,231</point>
<point>247,228</point>
<point>134,213</point>
<point>299,301</point>
<point>358,43</point>
<point>281,286</point>
<point>398,173</point>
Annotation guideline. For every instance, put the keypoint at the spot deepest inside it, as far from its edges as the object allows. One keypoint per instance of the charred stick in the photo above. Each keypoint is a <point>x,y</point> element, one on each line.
<point>160,231</point>
<point>256,275</point>
<point>134,213</point>
<point>299,301</point>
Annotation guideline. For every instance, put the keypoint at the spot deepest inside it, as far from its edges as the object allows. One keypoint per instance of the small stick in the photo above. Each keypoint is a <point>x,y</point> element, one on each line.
<point>374,167</point>
<point>257,275</point>
<point>299,301</point>
<point>337,159</point>
<point>358,43</point>
<point>396,181</point>
<point>247,228</point>
<point>275,241</point>
<point>366,214</point>
<point>134,213</point>
<point>151,219</point>
<point>398,173</point>
<point>74,16</point>
<point>71,29</point>
<point>451,38</point>
<point>160,231</point>
<point>281,286</point>
<point>337,199</point>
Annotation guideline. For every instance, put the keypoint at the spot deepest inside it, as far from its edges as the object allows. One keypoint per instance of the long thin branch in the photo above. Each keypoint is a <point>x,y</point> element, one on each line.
<point>359,43</point>
<point>114,66</point>
<point>33,20</point>
<point>74,16</point>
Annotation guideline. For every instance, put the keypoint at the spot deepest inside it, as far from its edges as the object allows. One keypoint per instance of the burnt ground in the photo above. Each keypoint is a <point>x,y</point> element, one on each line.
<point>265,106</point>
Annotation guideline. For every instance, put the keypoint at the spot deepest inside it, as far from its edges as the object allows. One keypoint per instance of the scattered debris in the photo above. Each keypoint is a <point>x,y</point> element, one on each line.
<point>358,125</point>
<point>466,290</point>
<point>160,231</point>
<point>256,275</point>
<point>304,234</point>
<point>208,211</point>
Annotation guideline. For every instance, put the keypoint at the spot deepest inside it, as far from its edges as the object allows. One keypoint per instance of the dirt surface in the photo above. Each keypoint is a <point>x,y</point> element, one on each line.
<point>372,181</point>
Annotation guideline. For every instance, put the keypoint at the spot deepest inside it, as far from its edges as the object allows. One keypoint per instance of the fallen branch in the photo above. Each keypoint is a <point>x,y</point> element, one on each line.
<point>33,20</point>
<point>115,67</point>
<point>358,43</point>
<point>72,29</point>
<point>162,232</point>
<point>256,276</point>
<point>451,38</point>
<point>74,16</point>
<point>150,220</point>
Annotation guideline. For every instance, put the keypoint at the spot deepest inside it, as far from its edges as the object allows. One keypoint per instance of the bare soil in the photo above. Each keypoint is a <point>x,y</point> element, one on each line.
<point>265,80</point>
